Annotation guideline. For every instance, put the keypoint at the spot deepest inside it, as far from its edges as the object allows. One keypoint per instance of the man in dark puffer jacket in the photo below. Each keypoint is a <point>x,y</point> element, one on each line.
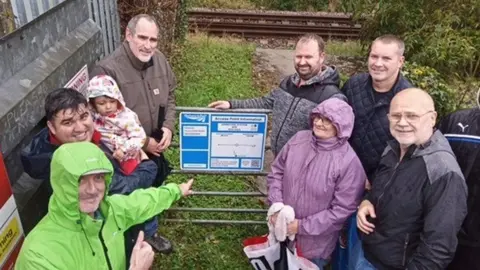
<point>462,130</point>
<point>298,94</point>
<point>370,94</point>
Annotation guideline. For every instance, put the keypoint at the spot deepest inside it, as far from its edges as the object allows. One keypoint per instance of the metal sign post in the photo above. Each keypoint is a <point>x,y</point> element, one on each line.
<point>222,142</point>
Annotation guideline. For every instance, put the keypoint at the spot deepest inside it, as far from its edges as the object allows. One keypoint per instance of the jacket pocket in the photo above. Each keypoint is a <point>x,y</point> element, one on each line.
<point>405,246</point>
<point>159,90</point>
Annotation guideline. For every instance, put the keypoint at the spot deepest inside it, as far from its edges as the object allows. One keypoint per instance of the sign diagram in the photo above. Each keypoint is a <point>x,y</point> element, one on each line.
<point>222,141</point>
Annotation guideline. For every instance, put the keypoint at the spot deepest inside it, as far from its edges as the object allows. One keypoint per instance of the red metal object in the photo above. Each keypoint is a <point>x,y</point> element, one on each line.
<point>11,231</point>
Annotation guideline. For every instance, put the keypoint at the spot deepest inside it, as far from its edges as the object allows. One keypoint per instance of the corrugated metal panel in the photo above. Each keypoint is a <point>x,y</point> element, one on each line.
<point>103,23</point>
<point>103,12</point>
<point>115,24</point>
<point>109,25</point>
<point>27,10</point>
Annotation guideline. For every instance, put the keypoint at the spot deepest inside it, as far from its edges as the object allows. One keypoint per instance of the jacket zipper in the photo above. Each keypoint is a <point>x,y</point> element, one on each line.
<point>283,122</point>
<point>294,108</point>
<point>386,185</point>
<point>146,85</point>
<point>405,250</point>
<point>105,250</point>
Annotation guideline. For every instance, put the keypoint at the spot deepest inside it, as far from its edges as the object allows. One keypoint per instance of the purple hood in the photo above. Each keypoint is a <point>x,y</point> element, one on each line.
<point>341,115</point>
<point>322,179</point>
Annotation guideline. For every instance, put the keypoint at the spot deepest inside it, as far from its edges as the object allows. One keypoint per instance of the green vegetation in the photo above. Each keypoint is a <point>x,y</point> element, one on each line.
<point>448,97</point>
<point>442,40</point>
<point>299,5</point>
<point>210,69</point>
<point>7,18</point>
<point>429,79</point>
<point>232,4</point>
<point>444,35</point>
<point>296,5</point>
<point>344,48</point>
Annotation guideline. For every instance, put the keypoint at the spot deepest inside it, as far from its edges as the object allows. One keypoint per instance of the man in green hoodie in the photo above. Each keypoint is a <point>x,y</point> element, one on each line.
<point>84,227</point>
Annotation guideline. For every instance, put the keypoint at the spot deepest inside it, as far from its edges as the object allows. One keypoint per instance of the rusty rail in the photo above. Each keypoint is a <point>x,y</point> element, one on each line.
<point>326,18</point>
<point>249,24</point>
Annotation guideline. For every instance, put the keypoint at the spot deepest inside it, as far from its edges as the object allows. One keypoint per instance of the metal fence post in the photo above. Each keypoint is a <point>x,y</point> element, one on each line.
<point>220,193</point>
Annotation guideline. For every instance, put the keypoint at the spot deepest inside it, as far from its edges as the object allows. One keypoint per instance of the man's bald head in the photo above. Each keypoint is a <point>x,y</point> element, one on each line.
<point>412,117</point>
<point>417,96</point>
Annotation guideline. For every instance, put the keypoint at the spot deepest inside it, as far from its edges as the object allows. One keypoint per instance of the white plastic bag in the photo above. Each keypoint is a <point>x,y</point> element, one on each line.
<point>263,256</point>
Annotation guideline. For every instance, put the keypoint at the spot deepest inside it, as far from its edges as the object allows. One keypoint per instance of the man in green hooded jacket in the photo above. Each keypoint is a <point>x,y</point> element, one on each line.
<point>84,227</point>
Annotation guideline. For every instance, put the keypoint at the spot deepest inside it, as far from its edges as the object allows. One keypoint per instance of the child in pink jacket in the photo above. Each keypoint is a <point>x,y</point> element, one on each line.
<point>121,130</point>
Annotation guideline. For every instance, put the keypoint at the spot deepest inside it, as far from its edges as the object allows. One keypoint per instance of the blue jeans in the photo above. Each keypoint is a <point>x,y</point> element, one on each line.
<point>319,262</point>
<point>357,259</point>
<point>150,227</point>
<point>347,240</point>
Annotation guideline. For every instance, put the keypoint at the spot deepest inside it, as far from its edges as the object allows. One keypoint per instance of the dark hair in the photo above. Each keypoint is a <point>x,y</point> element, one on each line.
<point>63,99</point>
<point>313,37</point>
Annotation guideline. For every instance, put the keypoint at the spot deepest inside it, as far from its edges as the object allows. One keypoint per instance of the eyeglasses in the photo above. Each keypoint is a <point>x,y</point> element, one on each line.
<point>325,121</point>
<point>409,117</point>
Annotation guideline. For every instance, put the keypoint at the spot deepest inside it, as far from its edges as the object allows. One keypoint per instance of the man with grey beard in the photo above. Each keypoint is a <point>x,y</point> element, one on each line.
<point>148,84</point>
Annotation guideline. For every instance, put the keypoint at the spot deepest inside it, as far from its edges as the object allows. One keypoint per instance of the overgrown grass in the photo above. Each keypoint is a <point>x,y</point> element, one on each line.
<point>293,5</point>
<point>345,48</point>
<point>210,69</point>
<point>236,4</point>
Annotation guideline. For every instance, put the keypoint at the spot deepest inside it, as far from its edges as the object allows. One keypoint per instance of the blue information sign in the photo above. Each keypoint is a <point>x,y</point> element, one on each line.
<point>222,141</point>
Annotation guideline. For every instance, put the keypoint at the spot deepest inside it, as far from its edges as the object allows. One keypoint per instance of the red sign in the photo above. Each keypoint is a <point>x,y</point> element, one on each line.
<point>5,189</point>
<point>11,231</point>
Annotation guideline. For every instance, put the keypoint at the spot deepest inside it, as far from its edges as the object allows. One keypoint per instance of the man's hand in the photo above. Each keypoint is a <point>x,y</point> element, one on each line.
<point>166,139</point>
<point>292,227</point>
<point>118,154</point>
<point>142,255</point>
<point>153,147</point>
<point>186,188</point>
<point>365,209</point>
<point>220,104</point>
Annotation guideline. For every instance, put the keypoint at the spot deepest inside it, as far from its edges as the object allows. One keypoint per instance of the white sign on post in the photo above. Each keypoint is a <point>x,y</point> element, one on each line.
<point>222,141</point>
<point>79,82</point>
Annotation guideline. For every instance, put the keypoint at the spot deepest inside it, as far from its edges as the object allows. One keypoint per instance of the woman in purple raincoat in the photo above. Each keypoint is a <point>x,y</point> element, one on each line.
<point>320,176</point>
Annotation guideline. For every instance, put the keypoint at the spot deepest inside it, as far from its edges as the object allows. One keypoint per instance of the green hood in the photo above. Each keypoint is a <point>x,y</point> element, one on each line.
<point>70,161</point>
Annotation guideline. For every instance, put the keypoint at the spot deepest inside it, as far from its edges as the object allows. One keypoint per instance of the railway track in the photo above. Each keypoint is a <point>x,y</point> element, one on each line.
<point>247,24</point>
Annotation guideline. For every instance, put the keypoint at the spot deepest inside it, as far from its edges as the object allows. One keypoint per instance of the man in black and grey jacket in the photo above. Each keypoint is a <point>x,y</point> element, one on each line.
<point>370,94</point>
<point>462,129</point>
<point>297,94</point>
<point>411,216</point>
